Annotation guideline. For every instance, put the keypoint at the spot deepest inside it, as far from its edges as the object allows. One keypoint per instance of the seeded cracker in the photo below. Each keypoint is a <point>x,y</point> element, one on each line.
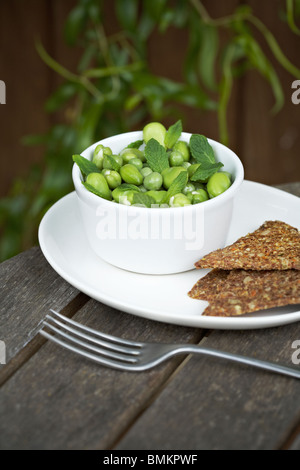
<point>249,291</point>
<point>209,286</point>
<point>274,245</point>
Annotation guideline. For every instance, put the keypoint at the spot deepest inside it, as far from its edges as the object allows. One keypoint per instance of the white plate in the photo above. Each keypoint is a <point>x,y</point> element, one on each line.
<point>162,298</point>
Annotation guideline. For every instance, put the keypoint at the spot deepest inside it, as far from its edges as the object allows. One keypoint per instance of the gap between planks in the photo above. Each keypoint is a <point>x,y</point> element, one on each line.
<point>178,366</point>
<point>38,341</point>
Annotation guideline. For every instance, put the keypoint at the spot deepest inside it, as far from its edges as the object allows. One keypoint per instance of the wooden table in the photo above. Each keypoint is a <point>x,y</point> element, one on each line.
<point>52,399</point>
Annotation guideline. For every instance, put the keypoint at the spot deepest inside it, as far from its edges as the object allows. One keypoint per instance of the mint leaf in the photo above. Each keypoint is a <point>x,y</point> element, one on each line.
<point>114,164</point>
<point>201,150</point>
<point>176,186</point>
<point>86,166</point>
<point>206,170</point>
<point>143,199</point>
<point>173,134</point>
<point>95,191</point>
<point>156,156</point>
<point>128,187</point>
<point>135,145</point>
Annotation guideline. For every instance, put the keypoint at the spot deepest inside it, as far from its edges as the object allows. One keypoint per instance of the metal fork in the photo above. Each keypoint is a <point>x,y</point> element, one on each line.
<point>132,355</point>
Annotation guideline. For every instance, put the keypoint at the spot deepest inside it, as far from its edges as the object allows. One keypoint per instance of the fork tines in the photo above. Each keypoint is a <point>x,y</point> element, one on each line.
<point>106,349</point>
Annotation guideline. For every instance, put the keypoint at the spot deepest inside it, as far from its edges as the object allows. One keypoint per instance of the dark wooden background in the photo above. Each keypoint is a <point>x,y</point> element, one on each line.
<point>267,145</point>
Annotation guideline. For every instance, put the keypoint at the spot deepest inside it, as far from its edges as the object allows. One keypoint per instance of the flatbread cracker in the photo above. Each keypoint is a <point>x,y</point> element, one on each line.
<point>208,286</point>
<point>233,293</point>
<point>274,245</point>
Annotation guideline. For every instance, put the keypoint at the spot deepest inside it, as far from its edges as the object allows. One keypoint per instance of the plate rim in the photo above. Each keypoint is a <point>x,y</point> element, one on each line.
<point>223,323</point>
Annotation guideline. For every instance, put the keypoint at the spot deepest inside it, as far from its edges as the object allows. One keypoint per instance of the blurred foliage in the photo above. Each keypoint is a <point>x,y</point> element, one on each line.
<point>113,89</point>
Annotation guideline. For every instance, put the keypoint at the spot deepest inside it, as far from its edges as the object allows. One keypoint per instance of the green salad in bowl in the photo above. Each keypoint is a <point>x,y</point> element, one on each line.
<point>159,170</point>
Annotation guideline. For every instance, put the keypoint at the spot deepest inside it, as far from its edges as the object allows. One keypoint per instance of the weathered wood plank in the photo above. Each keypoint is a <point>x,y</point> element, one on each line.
<point>221,405</point>
<point>29,288</point>
<point>60,401</point>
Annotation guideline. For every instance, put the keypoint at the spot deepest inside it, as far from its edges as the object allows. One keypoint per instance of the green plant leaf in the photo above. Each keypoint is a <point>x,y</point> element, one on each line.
<point>135,145</point>
<point>93,190</point>
<point>143,199</point>
<point>206,170</point>
<point>207,56</point>
<point>156,156</point>
<point>74,24</point>
<point>128,187</point>
<point>173,134</point>
<point>60,96</point>
<point>86,166</point>
<point>259,61</point>
<point>114,164</point>
<point>201,149</point>
<point>176,186</point>
<point>127,13</point>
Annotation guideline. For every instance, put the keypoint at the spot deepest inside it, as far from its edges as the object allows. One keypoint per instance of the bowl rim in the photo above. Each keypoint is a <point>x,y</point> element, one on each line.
<point>93,199</point>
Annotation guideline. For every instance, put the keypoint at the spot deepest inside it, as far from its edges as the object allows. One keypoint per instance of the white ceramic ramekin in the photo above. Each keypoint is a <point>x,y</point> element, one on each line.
<point>156,240</point>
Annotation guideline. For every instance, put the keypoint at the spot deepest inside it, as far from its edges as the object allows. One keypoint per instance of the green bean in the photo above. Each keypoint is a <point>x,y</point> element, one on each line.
<point>98,181</point>
<point>158,196</point>
<point>130,174</point>
<point>113,178</point>
<point>98,155</point>
<point>192,169</point>
<point>169,174</point>
<point>217,184</point>
<point>183,148</point>
<point>155,130</point>
<point>128,154</point>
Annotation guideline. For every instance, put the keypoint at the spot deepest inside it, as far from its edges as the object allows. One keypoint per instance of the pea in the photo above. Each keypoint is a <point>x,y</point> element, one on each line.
<point>158,196</point>
<point>128,154</point>
<point>154,130</point>
<point>153,181</point>
<point>188,188</point>
<point>199,195</point>
<point>98,155</point>
<point>119,192</point>
<point>98,181</point>
<point>113,178</point>
<point>186,165</point>
<point>176,158</point>
<point>136,162</point>
<point>183,148</point>
<point>130,174</point>
<point>126,197</point>
<point>180,200</point>
<point>169,174</point>
<point>145,171</point>
<point>217,184</point>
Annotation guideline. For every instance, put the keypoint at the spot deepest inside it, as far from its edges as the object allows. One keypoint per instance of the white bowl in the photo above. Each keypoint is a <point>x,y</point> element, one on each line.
<point>156,240</point>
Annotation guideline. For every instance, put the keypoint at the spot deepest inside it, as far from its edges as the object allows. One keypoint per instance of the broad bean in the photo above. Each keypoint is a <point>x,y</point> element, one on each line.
<point>217,184</point>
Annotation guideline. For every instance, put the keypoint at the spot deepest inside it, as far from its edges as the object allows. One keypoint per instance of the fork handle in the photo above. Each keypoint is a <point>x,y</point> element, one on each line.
<point>272,366</point>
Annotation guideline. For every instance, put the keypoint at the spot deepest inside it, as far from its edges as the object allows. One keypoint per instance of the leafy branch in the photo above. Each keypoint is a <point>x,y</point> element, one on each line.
<point>114,90</point>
